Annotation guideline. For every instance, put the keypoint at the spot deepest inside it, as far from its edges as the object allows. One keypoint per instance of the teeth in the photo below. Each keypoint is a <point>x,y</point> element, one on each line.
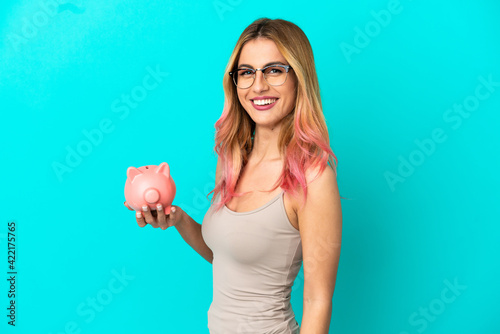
<point>264,102</point>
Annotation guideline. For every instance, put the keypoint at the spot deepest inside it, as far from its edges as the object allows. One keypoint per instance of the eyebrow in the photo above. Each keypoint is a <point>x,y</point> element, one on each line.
<point>271,63</point>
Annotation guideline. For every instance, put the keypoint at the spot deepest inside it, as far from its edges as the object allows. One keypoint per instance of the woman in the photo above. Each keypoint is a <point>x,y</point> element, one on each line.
<point>272,132</point>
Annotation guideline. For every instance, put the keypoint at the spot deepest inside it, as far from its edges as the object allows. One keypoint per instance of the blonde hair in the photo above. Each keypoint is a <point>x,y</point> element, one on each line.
<point>303,138</point>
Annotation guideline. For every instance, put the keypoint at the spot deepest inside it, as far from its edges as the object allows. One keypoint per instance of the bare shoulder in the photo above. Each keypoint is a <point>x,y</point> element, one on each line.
<point>327,178</point>
<point>320,187</point>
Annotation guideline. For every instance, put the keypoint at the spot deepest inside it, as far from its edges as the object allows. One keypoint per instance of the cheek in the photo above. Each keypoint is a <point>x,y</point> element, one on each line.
<point>290,97</point>
<point>242,99</point>
<point>288,107</point>
<point>290,90</point>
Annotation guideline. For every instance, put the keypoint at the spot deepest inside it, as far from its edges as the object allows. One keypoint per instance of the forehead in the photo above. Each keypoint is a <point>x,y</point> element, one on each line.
<point>259,52</point>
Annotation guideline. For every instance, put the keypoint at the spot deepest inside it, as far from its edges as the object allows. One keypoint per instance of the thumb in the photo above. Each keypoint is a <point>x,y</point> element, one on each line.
<point>126,204</point>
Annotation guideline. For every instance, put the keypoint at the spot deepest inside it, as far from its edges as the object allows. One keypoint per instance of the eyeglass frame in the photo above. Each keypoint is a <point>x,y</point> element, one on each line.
<point>286,67</point>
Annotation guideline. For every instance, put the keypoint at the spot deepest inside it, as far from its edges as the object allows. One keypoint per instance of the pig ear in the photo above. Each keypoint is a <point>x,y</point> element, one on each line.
<point>132,172</point>
<point>163,169</point>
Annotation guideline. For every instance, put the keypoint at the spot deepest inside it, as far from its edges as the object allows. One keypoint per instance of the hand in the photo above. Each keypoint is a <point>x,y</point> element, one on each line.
<point>157,218</point>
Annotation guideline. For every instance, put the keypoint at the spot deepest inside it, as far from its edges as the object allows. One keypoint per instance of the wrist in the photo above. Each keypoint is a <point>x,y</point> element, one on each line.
<point>181,220</point>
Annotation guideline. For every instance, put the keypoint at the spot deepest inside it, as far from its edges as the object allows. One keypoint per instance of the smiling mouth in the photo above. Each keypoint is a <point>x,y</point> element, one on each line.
<point>264,102</point>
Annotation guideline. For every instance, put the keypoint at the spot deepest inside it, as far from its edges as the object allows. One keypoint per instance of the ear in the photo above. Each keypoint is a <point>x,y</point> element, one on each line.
<point>132,172</point>
<point>163,169</point>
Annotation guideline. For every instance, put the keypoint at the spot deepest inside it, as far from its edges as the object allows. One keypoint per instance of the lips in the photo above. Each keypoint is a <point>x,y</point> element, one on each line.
<point>269,103</point>
<point>263,102</point>
<point>263,98</point>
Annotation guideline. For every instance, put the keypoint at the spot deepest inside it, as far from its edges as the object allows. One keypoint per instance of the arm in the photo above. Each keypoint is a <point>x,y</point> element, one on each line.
<point>191,233</point>
<point>320,222</point>
<point>191,230</point>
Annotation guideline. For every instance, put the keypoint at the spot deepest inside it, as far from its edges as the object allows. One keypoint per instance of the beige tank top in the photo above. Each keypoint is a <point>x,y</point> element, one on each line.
<point>257,255</point>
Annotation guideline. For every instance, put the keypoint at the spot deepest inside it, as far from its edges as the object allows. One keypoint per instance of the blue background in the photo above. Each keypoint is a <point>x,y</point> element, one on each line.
<point>66,68</point>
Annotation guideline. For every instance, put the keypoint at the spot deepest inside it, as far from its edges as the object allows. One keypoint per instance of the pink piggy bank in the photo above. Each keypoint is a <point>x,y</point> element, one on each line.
<point>149,185</point>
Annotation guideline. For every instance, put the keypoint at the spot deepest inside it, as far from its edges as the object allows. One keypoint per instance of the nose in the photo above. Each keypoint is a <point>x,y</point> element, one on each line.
<point>260,84</point>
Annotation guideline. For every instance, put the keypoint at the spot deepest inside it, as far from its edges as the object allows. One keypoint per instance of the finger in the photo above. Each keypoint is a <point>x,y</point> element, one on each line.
<point>140,219</point>
<point>149,217</point>
<point>171,217</point>
<point>160,217</point>
<point>126,204</point>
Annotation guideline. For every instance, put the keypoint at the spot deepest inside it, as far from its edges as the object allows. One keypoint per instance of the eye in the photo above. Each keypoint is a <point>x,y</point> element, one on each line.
<point>245,72</point>
<point>274,70</point>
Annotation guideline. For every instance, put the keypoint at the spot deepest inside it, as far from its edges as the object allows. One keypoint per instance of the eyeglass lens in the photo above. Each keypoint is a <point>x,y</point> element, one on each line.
<point>274,75</point>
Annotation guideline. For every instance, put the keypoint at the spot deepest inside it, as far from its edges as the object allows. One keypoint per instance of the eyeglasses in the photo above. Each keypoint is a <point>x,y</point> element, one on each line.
<point>275,75</point>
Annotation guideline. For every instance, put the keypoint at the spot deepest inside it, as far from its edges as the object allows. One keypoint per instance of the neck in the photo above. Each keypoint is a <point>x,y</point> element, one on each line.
<point>265,146</point>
